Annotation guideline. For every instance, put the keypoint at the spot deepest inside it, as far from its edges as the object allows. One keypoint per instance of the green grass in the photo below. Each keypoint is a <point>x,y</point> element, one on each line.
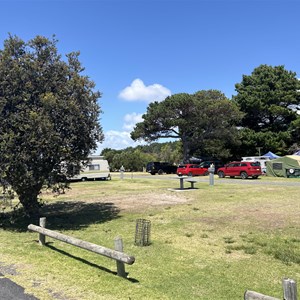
<point>215,243</point>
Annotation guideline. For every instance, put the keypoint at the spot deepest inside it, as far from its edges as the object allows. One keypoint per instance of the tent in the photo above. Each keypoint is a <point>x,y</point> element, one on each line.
<point>271,155</point>
<point>287,166</point>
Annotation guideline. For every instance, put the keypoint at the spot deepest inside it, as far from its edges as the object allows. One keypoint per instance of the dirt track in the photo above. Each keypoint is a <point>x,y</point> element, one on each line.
<point>142,201</point>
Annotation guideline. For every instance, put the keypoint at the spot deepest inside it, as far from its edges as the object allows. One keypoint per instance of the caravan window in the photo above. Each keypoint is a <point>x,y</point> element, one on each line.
<point>277,166</point>
<point>94,167</point>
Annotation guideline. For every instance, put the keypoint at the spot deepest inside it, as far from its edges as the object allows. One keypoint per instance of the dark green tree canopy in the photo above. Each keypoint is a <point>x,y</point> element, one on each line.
<point>269,98</point>
<point>165,119</point>
<point>217,121</point>
<point>198,121</point>
<point>48,112</point>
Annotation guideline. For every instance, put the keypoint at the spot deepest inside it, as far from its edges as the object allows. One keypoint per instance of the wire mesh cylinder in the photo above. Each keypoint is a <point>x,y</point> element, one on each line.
<point>142,232</point>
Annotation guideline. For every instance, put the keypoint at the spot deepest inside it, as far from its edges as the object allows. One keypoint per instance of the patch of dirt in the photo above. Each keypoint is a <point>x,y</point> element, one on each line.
<point>142,201</point>
<point>270,216</point>
<point>7,269</point>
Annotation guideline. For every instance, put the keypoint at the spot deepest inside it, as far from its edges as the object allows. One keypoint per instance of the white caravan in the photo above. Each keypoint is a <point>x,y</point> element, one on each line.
<point>97,168</point>
<point>261,159</point>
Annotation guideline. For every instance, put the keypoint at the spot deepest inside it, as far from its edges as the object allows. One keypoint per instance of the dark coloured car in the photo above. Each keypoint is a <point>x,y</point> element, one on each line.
<point>240,169</point>
<point>207,164</point>
<point>159,168</point>
<point>191,170</point>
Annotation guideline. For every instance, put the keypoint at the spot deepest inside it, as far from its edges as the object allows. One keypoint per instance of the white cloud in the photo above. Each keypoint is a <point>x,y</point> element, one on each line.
<point>137,91</point>
<point>117,140</point>
<point>121,139</point>
<point>131,120</point>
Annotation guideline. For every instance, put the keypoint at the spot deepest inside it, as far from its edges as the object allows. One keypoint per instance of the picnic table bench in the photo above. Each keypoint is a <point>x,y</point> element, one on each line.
<point>191,180</point>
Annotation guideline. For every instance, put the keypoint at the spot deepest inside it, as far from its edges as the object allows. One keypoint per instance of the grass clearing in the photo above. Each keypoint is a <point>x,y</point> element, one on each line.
<point>207,243</point>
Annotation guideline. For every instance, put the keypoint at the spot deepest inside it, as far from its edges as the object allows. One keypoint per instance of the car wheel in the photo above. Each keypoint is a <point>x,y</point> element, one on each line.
<point>83,179</point>
<point>190,174</point>
<point>160,172</point>
<point>221,174</point>
<point>244,175</point>
<point>206,173</point>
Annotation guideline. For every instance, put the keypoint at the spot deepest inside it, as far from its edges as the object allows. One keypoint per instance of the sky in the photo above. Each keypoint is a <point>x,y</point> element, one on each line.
<point>140,51</point>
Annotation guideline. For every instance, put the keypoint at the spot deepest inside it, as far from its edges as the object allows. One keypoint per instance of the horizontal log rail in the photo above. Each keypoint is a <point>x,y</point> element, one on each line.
<point>117,254</point>
<point>289,287</point>
<point>85,245</point>
<point>251,295</point>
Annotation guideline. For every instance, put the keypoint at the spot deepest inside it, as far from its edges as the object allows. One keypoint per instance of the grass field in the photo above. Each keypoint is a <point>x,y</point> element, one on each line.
<point>213,242</point>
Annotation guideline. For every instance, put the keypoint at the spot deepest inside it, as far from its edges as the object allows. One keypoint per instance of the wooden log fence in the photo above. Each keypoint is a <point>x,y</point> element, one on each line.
<point>289,292</point>
<point>116,254</point>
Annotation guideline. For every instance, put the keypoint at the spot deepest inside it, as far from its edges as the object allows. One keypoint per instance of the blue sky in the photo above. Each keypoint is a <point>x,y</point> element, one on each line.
<point>141,51</point>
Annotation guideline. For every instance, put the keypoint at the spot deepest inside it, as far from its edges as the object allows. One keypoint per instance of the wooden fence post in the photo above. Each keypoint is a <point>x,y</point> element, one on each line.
<point>289,289</point>
<point>42,237</point>
<point>120,265</point>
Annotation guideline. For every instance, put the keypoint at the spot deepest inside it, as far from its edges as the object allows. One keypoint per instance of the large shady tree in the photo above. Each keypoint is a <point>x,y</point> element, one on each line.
<point>49,116</point>
<point>270,99</point>
<point>203,121</point>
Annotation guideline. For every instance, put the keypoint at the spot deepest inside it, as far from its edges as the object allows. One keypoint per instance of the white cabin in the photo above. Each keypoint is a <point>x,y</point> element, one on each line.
<point>97,168</point>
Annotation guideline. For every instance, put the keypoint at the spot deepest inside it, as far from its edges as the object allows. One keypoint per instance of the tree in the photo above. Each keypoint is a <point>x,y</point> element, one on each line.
<point>269,97</point>
<point>48,114</point>
<point>170,118</point>
<point>168,151</point>
<point>216,133</point>
<point>110,155</point>
<point>207,116</point>
<point>133,159</point>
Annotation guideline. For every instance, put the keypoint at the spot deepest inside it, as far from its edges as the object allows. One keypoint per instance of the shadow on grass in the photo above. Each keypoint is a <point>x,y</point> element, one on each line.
<point>62,215</point>
<point>77,215</point>
<point>87,262</point>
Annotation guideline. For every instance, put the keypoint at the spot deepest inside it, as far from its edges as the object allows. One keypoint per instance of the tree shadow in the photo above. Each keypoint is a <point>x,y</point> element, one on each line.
<point>78,215</point>
<point>62,215</point>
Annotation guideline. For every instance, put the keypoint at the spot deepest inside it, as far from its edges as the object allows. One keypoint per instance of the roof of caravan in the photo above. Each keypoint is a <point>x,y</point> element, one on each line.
<point>295,157</point>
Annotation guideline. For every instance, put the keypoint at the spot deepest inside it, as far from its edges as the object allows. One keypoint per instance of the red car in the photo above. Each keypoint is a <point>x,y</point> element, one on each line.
<point>191,170</point>
<point>242,169</point>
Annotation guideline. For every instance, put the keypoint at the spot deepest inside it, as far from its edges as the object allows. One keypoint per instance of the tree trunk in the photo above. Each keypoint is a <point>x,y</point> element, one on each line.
<point>186,150</point>
<point>29,201</point>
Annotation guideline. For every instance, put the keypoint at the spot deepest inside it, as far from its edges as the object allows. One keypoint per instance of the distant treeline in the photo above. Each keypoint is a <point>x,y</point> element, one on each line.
<point>136,158</point>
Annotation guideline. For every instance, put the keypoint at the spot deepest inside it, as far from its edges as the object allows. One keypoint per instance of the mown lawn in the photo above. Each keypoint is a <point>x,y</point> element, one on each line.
<point>213,242</point>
